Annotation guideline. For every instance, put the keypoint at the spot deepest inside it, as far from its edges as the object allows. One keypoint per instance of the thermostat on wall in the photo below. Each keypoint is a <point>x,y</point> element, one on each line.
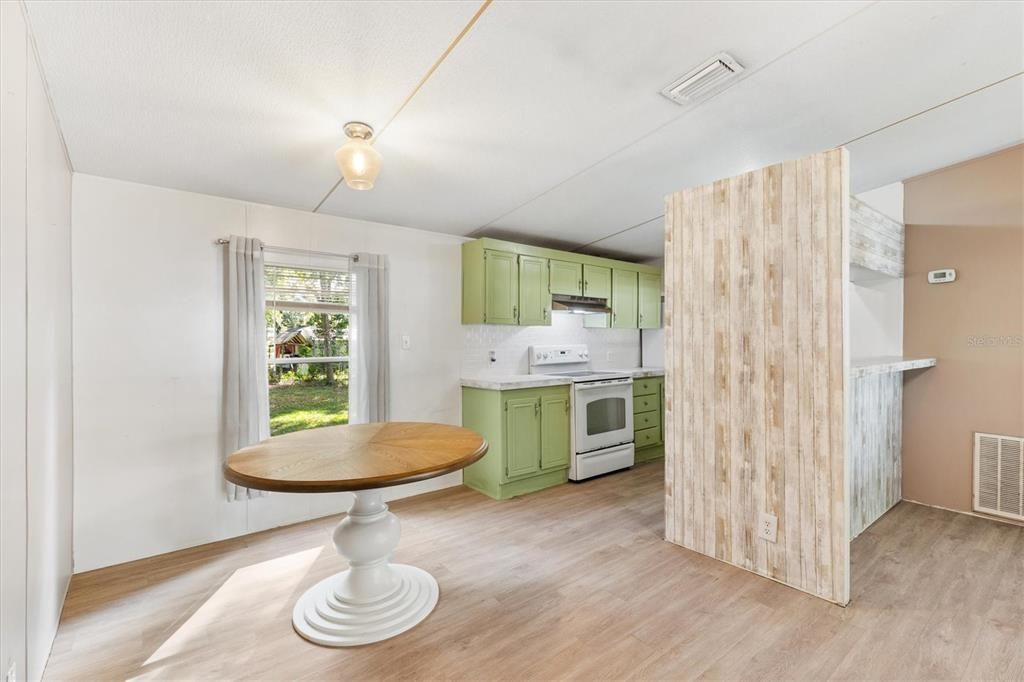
<point>941,276</point>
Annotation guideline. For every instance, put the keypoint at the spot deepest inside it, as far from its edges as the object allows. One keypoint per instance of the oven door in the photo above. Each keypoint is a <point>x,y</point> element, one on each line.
<point>603,414</point>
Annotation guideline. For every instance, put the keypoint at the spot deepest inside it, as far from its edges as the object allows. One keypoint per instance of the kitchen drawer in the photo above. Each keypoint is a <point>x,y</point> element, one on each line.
<point>648,386</point>
<point>647,420</point>
<point>647,438</point>
<point>646,403</point>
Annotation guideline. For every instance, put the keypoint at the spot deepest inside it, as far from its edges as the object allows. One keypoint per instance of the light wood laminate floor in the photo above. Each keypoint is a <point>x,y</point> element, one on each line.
<point>574,581</point>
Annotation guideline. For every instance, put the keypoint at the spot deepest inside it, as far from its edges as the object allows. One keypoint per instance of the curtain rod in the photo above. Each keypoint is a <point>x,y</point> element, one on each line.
<point>300,252</point>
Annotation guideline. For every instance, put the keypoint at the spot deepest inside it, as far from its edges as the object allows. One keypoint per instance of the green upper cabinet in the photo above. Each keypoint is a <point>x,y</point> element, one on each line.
<point>554,444</point>
<point>566,278</point>
<point>501,288</point>
<point>597,281</point>
<point>522,434</point>
<point>534,294</point>
<point>624,299</point>
<point>649,301</point>
<point>508,283</point>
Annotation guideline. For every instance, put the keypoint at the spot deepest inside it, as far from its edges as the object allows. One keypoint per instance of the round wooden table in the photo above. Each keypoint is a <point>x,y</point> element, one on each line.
<point>374,599</point>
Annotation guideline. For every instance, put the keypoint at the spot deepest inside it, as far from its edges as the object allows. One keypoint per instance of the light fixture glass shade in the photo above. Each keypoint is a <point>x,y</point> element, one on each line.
<point>358,161</point>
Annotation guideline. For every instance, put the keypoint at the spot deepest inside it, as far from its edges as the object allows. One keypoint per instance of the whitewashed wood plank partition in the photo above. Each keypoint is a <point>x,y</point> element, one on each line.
<point>755,276</point>
<point>876,240</point>
<point>876,442</point>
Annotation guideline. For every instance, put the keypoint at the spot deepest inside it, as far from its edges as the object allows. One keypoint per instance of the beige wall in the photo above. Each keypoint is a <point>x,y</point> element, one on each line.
<point>969,217</point>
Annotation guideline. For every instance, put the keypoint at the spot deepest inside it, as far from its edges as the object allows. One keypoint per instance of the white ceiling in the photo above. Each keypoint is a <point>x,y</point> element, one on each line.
<point>544,124</point>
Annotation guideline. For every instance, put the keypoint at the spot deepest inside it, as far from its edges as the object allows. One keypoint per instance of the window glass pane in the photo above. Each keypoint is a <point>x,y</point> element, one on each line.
<point>606,414</point>
<point>307,348</point>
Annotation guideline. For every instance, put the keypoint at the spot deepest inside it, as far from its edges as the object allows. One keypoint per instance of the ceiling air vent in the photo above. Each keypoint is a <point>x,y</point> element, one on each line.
<point>999,475</point>
<point>709,78</point>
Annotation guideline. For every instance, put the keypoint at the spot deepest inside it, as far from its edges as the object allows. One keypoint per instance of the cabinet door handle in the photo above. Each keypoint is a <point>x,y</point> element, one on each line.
<point>515,312</point>
<point>536,408</point>
<point>545,311</point>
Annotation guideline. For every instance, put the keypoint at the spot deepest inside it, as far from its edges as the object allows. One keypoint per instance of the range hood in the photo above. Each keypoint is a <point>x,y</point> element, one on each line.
<point>581,305</point>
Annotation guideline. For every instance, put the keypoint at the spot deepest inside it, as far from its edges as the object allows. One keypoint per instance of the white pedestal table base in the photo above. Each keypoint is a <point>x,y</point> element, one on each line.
<point>374,599</point>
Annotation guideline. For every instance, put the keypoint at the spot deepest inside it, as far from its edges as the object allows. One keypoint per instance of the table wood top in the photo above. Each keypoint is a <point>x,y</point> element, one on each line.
<point>354,457</point>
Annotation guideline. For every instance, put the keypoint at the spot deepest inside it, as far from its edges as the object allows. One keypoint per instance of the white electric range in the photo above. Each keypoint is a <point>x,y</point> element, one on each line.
<point>602,410</point>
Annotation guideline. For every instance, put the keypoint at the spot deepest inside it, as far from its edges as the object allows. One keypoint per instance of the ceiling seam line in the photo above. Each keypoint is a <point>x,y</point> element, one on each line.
<point>430,72</point>
<point>933,108</point>
<point>682,115</point>
<point>843,144</point>
<point>46,84</point>
<point>622,231</point>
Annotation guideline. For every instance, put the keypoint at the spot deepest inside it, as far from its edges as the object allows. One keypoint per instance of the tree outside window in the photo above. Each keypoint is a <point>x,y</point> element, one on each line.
<point>307,348</point>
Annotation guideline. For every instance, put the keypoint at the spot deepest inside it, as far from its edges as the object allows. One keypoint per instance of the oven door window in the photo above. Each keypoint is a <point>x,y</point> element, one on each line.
<point>605,415</point>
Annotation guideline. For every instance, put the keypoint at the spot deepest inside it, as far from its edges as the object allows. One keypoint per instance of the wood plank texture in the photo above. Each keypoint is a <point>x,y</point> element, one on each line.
<point>876,240</point>
<point>354,457</point>
<point>573,582</point>
<point>756,275</point>
<point>876,439</point>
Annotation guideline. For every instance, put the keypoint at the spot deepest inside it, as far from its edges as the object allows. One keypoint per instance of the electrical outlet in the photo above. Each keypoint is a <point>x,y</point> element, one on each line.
<point>406,342</point>
<point>493,355</point>
<point>12,672</point>
<point>768,527</point>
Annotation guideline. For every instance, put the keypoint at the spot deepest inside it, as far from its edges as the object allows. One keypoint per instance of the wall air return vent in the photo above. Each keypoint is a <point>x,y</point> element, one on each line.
<point>706,80</point>
<point>999,475</point>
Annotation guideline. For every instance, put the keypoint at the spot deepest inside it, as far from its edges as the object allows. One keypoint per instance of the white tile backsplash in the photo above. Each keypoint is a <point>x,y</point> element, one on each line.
<point>654,348</point>
<point>609,348</point>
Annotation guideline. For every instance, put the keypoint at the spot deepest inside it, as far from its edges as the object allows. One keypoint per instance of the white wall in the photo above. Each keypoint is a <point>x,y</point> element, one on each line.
<point>35,358</point>
<point>609,348</point>
<point>876,306</point>
<point>652,345</point>
<point>149,316</point>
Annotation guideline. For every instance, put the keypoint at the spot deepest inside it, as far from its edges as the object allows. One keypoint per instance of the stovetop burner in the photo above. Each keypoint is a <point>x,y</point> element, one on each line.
<point>580,373</point>
<point>589,374</point>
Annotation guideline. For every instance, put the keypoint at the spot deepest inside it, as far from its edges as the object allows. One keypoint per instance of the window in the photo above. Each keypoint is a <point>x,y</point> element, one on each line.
<point>307,347</point>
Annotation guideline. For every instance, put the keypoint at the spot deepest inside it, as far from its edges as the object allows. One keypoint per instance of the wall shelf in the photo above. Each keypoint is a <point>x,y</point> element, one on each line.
<point>876,244</point>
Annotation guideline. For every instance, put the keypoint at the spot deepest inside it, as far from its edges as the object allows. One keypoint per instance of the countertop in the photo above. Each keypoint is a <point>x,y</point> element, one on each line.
<point>861,367</point>
<point>643,372</point>
<point>507,382</point>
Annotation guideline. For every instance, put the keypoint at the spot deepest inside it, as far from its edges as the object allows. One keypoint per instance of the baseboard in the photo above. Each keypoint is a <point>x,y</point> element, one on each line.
<point>976,515</point>
<point>53,635</point>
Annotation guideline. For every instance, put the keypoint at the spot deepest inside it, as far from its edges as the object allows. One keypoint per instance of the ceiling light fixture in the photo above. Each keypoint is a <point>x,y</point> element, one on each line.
<point>358,161</point>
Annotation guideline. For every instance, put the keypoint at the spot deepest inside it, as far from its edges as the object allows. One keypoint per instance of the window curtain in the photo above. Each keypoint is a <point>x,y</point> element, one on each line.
<point>246,408</point>
<point>369,370</point>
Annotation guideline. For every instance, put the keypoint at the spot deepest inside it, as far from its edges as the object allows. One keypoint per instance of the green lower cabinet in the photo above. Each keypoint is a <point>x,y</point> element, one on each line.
<point>554,442</point>
<point>648,423</point>
<point>522,437</point>
<point>527,431</point>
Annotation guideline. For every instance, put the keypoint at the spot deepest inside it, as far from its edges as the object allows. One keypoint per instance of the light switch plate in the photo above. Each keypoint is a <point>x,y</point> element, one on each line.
<point>768,527</point>
<point>406,342</point>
